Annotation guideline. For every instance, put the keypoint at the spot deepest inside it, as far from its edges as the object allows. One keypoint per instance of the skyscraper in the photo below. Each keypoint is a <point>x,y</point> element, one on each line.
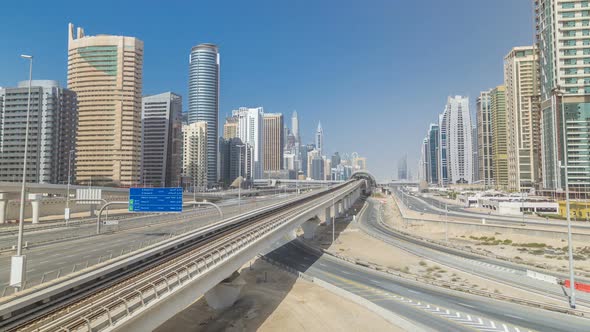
<point>295,126</point>
<point>443,162</point>
<point>273,141</point>
<point>522,109</point>
<point>106,73</point>
<point>432,155</point>
<point>499,136</point>
<point>456,132</point>
<point>194,156</point>
<point>562,36</point>
<point>402,168</point>
<point>203,99</point>
<point>319,139</point>
<point>52,132</point>
<point>251,132</point>
<point>161,156</point>
<point>484,138</point>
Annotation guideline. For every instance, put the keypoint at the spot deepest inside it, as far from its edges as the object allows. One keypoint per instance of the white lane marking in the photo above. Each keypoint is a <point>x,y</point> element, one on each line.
<point>465,305</point>
<point>513,316</point>
<point>493,324</point>
<point>468,318</point>
<point>375,281</point>
<point>413,291</point>
<point>322,264</point>
<point>505,328</point>
<point>517,329</point>
<point>480,321</point>
<point>346,272</point>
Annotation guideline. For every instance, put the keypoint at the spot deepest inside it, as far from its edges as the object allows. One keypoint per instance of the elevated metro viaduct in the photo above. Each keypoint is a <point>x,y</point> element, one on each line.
<point>163,279</point>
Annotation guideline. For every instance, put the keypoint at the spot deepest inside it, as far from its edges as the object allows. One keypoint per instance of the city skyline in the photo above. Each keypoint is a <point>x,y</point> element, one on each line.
<point>276,82</point>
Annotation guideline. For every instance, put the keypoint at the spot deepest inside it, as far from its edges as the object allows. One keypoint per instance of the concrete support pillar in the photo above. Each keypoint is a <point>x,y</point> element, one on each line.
<point>36,206</point>
<point>3,207</point>
<point>309,228</point>
<point>226,293</point>
<point>328,216</point>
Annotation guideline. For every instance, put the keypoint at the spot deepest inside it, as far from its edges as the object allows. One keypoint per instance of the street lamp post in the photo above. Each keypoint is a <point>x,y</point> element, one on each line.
<point>67,212</point>
<point>19,261</point>
<point>556,92</point>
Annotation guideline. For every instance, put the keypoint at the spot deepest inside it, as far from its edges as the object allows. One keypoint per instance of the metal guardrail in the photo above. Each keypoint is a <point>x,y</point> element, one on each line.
<point>190,267</point>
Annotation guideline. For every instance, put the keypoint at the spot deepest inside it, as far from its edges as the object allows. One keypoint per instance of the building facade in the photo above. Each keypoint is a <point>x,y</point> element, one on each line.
<point>402,168</point>
<point>499,136</point>
<point>319,139</point>
<point>432,154</point>
<point>456,132</point>
<point>233,158</point>
<point>106,74</point>
<point>52,126</point>
<point>161,144</point>
<point>273,141</point>
<point>251,132</point>
<point>230,128</point>
<point>563,32</point>
<point>203,99</point>
<point>522,109</point>
<point>484,139</point>
<point>194,155</point>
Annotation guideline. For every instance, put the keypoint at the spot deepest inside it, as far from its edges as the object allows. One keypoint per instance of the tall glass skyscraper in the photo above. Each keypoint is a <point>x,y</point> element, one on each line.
<point>203,99</point>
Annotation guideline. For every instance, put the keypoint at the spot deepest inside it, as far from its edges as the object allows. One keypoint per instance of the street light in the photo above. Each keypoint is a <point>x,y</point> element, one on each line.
<point>67,212</point>
<point>19,261</point>
<point>556,92</point>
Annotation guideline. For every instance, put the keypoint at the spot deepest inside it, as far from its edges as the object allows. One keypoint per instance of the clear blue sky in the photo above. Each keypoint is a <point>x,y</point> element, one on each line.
<point>374,72</point>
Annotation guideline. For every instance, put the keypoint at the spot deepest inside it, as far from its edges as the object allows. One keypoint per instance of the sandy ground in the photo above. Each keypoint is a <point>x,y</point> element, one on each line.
<point>550,254</point>
<point>354,243</point>
<point>282,303</point>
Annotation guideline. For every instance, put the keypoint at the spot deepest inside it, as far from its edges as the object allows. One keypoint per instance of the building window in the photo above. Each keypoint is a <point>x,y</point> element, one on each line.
<point>567,14</point>
<point>567,5</point>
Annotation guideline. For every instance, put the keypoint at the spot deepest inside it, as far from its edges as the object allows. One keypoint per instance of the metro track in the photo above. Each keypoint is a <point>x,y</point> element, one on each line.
<point>77,309</point>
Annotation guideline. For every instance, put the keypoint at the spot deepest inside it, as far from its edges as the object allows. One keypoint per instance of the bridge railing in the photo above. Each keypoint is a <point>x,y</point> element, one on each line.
<point>175,273</point>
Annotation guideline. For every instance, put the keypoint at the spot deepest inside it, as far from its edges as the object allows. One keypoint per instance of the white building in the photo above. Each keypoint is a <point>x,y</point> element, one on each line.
<point>456,142</point>
<point>251,132</point>
<point>194,157</point>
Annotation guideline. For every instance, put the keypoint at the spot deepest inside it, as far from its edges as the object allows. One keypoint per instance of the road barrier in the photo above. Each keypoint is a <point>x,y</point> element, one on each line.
<point>579,286</point>
<point>541,276</point>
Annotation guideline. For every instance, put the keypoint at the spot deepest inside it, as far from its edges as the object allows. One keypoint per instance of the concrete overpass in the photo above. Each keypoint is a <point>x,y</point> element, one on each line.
<point>141,290</point>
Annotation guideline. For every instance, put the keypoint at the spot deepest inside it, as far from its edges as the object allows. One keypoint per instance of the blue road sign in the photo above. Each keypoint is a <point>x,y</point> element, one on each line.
<point>155,199</point>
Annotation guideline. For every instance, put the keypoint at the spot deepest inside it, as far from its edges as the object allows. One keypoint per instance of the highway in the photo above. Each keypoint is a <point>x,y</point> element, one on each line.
<point>73,253</point>
<point>500,271</point>
<point>432,206</point>
<point>436,308</point>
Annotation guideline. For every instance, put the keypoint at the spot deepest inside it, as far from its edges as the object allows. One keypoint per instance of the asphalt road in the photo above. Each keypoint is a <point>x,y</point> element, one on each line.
<point>69,254</point>
<point>432,206</point>
<point>500,271</point>
<point>437,309</point>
